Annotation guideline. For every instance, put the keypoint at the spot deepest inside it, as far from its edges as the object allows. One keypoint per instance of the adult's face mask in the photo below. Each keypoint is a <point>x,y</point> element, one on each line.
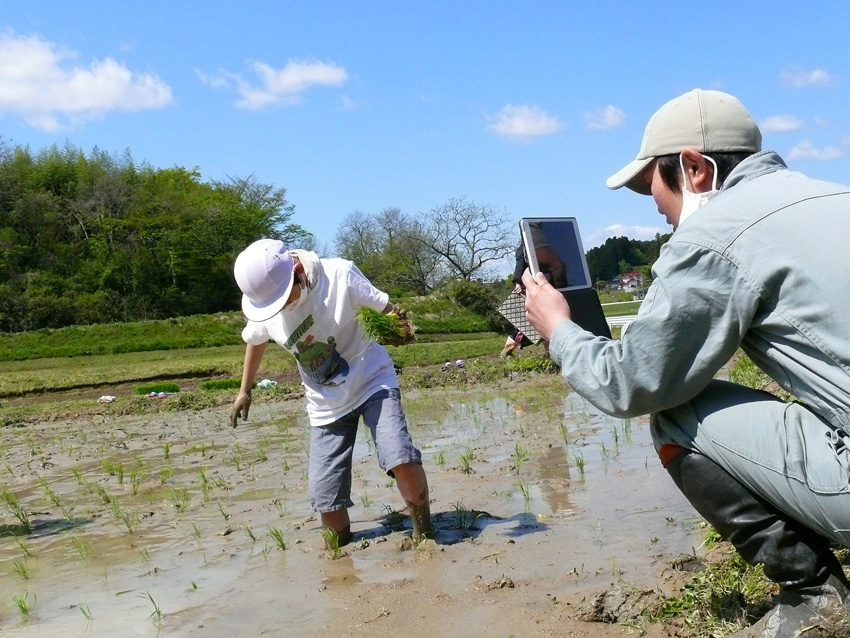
<point>691,202</point>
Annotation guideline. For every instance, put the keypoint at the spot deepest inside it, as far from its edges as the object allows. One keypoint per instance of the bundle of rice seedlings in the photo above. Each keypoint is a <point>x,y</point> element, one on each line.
<point>389,330</point>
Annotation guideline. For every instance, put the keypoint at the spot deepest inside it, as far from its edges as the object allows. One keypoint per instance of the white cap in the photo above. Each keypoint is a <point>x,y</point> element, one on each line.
<point>265,274</point>
<point>706,121</point>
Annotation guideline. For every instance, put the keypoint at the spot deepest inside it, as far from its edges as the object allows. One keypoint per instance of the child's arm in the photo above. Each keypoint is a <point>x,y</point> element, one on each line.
<point>253,357</point>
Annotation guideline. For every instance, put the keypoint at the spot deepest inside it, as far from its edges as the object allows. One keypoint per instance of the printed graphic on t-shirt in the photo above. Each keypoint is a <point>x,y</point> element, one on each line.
<point>320,361</point>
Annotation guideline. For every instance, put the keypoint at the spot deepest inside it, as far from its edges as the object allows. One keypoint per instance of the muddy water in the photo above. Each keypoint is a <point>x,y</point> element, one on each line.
<point>165,525</point>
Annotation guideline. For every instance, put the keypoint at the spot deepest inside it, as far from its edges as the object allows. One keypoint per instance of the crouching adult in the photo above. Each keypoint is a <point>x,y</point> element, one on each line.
<point>751,265</point>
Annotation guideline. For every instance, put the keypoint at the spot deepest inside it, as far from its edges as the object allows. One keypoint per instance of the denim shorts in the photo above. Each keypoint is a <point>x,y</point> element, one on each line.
<point>332,448</point>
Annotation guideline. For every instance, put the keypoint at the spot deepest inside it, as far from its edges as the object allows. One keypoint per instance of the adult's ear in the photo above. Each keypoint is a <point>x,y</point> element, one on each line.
<point>699,172</point>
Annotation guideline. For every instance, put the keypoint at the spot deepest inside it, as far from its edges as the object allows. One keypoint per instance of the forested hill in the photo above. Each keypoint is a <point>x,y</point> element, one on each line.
<point>98,238</point>
<point>621,254</point>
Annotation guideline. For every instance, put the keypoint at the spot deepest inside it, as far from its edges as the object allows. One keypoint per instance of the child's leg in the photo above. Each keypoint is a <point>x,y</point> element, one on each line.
<point>329,484</point>
<point>398,457</point>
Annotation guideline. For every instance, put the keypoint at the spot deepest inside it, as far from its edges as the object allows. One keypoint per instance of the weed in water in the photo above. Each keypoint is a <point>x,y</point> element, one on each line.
<point>331,538</point>
<point>277,536</point>
<point>18,511</point>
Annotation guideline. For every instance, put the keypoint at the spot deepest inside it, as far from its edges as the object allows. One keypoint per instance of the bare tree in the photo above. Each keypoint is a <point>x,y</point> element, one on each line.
<point>357,238</point>
<point>467,236</point>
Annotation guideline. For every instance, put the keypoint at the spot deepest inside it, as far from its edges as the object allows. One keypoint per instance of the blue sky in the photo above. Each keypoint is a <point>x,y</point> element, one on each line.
<point>523,106</point>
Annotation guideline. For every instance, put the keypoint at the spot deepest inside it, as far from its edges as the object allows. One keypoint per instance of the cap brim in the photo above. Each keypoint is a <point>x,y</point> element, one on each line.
<point>631,176</point>
<point>255,312</point>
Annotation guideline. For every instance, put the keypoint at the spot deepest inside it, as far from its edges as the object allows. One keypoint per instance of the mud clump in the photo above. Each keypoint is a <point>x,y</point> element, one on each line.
<point>618,605</point>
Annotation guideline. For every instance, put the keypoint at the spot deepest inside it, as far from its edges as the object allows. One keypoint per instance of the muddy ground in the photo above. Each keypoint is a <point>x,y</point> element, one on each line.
<point>170,524</point>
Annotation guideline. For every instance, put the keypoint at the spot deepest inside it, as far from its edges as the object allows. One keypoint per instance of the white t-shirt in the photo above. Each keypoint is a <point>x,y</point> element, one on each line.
<point>340,366</point>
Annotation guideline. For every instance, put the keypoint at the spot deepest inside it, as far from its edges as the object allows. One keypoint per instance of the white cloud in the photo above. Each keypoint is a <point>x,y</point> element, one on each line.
<point>796,77</point>
<point>807,151</point>
<point>598,236</point>
<point>781,124</point>
<point>278,86</point>
<point>38,84</point>
<point>524,122</point>
<point>602,119</point>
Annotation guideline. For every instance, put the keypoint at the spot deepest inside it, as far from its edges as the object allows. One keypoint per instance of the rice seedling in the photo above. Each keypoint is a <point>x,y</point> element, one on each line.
<point>180,498</point>
<point>22,603</point>
<point>82,547</point>
<point>440,459</point>
<point>250,533</point>
<point>564,430</point>
<point>466,461</point>
<point>102,493</point>
<point>26,550</point>
<point>277,536</point>
<point>393,519</point>
<point>52,496</point>
<point>196,531</point>
<point>143,554</point>
<point>263,450</point>
<point>525,489</point>
<point>156,614</point>
<point>166,450</point>
<point>280,506</point>
<point>21,569</point>
<point>520,456</point>
<point>331,539</point>
<point>85,611</point>
<point>206,484</point>
<point>135,481</point>
<point>464,519</point>
<point>17,509</point>
<point>223,512</point>
<point>124,516</point>
<point>161,386</point>
<point>165,473</point>
<point>578,461</point>
<point>365,500</point>
<point>78,476</point>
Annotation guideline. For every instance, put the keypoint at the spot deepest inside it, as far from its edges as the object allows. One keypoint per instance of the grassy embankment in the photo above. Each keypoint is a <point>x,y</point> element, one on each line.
<point>66,365</point>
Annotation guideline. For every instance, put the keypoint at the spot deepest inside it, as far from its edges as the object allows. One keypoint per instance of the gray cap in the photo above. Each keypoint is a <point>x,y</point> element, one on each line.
<point>706,121</point>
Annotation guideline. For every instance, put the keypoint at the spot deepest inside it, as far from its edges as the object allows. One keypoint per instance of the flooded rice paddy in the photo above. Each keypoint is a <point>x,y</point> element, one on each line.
<point>178,525</point>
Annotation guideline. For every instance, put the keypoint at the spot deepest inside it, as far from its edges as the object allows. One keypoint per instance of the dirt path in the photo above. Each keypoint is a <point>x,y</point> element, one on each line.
<point>166,524</point>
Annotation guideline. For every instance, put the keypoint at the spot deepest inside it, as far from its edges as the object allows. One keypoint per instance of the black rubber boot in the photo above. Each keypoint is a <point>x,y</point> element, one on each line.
<point>813,591</point>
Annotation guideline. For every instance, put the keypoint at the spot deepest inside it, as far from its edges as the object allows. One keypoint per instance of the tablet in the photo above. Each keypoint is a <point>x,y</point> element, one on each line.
<point>553,247</point>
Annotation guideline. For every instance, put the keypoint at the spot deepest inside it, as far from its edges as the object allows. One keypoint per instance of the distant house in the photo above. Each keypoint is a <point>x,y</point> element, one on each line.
<point>631,280</point>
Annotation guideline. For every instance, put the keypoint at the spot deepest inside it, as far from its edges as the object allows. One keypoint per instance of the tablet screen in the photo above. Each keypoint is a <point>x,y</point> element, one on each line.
<point>553,247</point>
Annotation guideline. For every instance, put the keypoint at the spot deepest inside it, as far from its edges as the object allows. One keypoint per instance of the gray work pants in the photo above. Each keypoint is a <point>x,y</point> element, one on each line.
<point>781,451</point>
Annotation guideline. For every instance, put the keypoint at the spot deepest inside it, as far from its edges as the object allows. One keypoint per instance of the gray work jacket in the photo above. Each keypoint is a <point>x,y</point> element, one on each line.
<point>762,266</point>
